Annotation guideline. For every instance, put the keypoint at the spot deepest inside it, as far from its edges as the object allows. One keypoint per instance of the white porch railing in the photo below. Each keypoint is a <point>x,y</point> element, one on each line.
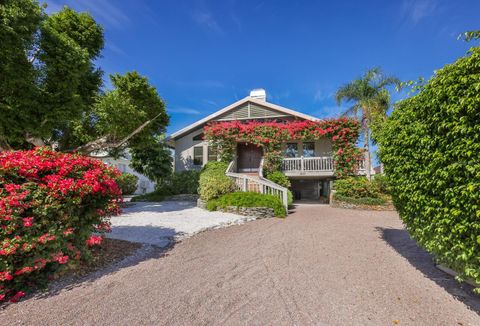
<point>308,165</point>
<point>249,183</point>
<point>313,166</point>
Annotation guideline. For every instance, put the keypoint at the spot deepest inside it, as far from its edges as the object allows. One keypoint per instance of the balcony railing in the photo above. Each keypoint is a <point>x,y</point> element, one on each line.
<point>313,166</point>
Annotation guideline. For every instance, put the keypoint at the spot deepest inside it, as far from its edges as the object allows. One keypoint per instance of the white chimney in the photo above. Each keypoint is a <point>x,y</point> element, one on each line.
<point>258,94</point>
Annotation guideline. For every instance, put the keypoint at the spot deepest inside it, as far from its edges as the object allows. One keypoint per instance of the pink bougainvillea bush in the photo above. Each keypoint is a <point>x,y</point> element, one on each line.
<point>343,133</point>
<point>50,204</point>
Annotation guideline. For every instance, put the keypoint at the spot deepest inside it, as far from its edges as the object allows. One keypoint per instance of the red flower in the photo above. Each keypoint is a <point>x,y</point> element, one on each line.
<point>28,221</point>
<point>17,296</point>
<point>94,240</point>
<point>6,276</point>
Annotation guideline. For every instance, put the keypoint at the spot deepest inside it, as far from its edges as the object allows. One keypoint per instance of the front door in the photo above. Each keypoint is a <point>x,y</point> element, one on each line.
<point>249,157</point>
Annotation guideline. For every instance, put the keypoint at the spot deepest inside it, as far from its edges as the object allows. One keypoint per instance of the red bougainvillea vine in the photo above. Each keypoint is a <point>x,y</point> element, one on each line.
<point>343,133</point>
<point>50,204</point>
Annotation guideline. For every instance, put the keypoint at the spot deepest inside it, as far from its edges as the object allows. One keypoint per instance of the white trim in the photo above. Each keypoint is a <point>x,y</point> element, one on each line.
<point>236,104</point>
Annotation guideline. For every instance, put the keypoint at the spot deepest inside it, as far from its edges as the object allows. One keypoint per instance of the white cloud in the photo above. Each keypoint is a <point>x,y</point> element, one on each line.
<point>205,18</point>
<point>185,110</point>
<point>416,10</point>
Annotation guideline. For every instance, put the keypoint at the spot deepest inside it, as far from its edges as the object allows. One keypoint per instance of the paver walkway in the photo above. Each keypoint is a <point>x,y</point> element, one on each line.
<point>320,266</point>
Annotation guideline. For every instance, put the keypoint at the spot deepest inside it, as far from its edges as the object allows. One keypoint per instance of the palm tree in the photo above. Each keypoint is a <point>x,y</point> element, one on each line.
<point>371,100</point>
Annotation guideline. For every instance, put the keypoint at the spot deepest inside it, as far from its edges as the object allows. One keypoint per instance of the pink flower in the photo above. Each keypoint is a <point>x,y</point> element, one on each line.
<point>28,221</point>
<point>94,240</point>
<point>17,296</point>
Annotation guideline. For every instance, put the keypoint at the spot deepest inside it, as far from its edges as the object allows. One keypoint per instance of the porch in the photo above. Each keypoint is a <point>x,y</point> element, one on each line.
<point>317,166</point>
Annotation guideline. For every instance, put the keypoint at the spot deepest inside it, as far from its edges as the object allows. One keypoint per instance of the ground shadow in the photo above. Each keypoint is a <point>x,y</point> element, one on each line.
<point>146,252</point>
<point>159,207</point>
<point>400,241</point>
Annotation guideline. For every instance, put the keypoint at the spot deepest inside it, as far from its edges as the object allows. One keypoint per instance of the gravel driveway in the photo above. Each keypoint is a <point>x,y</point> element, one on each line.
<point>320,266</point>
<point>159,223</point>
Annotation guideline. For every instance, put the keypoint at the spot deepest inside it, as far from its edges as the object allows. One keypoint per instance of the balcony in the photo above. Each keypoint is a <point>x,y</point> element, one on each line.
<point>320,166</point>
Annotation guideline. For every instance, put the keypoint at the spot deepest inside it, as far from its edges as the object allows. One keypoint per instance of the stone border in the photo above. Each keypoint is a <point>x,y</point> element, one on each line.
<point>258,212</point>
<point>453,273</point>
<point>345,205</point>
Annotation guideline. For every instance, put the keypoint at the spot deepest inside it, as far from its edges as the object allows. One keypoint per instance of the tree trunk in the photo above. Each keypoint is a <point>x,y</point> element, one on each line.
<point>368,162</point>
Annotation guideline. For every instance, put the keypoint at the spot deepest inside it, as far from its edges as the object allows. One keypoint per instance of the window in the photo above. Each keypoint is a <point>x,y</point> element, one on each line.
<point>198,155</point>
<point>308,149</point>
<point>198,137</point>
<point>292,150</point>
<point>212,154</point>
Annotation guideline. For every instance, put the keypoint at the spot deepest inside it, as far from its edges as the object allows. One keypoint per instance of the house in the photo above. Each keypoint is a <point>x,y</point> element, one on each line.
<point>122,163</point>
<point>308,164</point>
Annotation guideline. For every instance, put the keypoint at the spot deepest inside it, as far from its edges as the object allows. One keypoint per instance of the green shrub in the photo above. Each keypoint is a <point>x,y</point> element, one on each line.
<point>213,182</point>
<point>127,183</point>
<point>279,178</point>
<point>430,147</point>
<point>248,199</point>
<point>289,198</point>
<point>184,182</point>
<point>360,201</point>
<point>357,187</point>
<point>154,196</point>
<point>381,182</point>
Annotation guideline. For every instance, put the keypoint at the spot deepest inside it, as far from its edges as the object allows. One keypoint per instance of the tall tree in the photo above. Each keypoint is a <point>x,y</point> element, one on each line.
<point>50,89</point>
<point>370,101</point>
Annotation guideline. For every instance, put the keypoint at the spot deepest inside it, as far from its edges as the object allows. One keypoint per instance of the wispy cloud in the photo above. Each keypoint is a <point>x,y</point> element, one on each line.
<point>106,12</point>
<point>416,10</point>
<point>205,18</point>
<point>114,48</point>
<point>185,110</point>
<point>210,102</point>
<point>320,95</point>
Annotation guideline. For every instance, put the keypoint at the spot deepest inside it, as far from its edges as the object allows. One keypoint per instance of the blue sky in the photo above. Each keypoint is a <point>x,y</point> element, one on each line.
<point>204,55</point>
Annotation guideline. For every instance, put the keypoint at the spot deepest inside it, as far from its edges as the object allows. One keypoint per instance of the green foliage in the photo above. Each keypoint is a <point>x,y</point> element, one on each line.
<point>184,182</point>
<point>213,182</point>
<point>47,73</point>
<point>248,199</point>
<point>357,187</point>
<point>470,35</point>
<point>272,161</point>
<point>381,182</point>
<point>289,198</point>
<point>127,183</point>
<point>279,178</point>
<point>152,159</point>
<point>430,147</point>
<point>360,201</point>
<point>154,196</point>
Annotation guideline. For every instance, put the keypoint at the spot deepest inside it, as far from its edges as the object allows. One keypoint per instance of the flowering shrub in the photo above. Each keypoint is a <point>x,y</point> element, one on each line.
<point>270,135</point>
<point>50,203</point>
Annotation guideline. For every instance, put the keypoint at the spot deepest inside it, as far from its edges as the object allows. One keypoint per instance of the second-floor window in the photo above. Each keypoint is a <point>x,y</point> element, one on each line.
<point>308,149</point>
<point>291,150</point>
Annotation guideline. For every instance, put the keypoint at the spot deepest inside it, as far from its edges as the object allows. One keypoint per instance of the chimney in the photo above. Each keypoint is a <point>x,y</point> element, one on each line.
<point>258,94</point>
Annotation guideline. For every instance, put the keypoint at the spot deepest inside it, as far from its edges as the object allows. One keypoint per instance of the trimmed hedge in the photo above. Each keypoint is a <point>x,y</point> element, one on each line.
<point>430,147</point>
<point>184,182</point>
<point>127,182</point>
<point>357,187</point>
<point>248,199</point>
<point>360,201</point>
<point>213,182</point>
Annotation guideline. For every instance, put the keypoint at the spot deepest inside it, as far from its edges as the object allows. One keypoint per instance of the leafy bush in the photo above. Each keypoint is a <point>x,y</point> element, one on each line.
<point>430,147</point>
<point>127,183</point>
<point>185,182</point>
<point>213,182</point>
<point>360,201</point>
<point>50,203</point>
<point>357,187</point>
<point>248,199</point>
<point>381,182</point>
<point>154,196</point>
<point>279,178</point>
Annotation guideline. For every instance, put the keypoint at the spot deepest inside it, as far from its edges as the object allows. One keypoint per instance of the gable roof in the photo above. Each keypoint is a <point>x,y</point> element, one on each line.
<point>235,105</point>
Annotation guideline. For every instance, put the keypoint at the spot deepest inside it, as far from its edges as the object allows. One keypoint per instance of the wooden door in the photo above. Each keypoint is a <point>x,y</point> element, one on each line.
<point>249,157</point>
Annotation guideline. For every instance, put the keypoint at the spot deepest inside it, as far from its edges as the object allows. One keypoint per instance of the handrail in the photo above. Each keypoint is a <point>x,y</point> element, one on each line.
<point>262,185</point>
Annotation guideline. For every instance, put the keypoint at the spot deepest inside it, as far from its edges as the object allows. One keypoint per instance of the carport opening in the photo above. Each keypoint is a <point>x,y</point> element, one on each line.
<point>311,190</point>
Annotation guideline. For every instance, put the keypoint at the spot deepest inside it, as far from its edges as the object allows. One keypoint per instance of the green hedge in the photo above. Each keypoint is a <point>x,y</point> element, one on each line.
<point>248,199</point>
<point>184,182</point>
<point>213,181</point>
<point>430,147</point>
<point>357,187</point>
<point>127,182</point>
<point>360,201</point>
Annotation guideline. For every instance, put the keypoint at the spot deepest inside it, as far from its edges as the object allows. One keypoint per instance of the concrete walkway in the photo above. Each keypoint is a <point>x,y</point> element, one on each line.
<point>160,223</point>
<point>319,266</point>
